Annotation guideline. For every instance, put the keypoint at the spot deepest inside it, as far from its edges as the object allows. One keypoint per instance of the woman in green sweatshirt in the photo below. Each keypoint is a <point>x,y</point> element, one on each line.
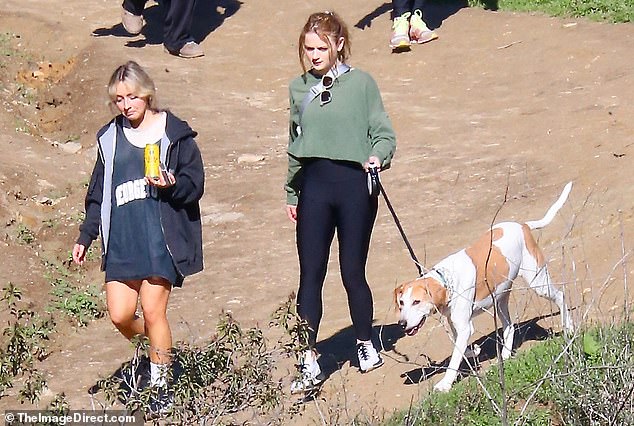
<point>338,129</point>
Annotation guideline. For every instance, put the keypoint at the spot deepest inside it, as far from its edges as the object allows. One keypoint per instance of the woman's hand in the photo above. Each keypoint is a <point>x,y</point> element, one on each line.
<point>374,162</point>
<point>291,212</point>
<point>165,179</point>
<point>79,254</point>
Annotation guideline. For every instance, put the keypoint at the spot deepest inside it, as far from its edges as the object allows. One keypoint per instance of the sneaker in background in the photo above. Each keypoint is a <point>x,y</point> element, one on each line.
<point>191,49</point>
<point>400,32</point>
<point>369,358</point>
<point>418,31</point>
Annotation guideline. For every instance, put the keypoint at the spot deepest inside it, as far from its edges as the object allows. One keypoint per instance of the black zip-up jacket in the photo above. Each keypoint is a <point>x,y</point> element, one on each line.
<point>178,205</point>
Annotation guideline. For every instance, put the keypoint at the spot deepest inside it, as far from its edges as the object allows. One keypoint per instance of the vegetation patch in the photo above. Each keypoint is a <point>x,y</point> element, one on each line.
<point>556,382</point>
<point>232,379</point>
<point>24,344</point>
<point>615,11</point>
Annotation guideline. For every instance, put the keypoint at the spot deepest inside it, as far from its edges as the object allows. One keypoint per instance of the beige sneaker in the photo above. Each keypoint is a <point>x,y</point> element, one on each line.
<point>131,22</point>
<point>191,49</point>
<point>400,32</point>
<point>418,31</point>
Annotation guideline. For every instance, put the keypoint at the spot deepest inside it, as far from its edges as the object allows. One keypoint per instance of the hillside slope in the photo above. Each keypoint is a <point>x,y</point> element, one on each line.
<point>501,104</point>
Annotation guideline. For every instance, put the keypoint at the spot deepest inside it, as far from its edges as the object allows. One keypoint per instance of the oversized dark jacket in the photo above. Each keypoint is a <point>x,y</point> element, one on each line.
<point>178,205</point>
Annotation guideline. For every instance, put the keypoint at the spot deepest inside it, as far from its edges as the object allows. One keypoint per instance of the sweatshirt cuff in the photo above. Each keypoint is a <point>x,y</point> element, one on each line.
<point>84,240</point>
<point>291,199</point>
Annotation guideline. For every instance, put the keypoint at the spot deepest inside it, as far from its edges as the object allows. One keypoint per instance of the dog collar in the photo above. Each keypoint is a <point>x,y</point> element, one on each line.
<point>444,278</point>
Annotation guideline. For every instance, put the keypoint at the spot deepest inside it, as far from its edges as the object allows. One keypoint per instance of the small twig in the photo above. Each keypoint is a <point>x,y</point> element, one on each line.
<point>622,405</point>
<point>626,309</point>
<point>510,44</point>
<point>504,406</point>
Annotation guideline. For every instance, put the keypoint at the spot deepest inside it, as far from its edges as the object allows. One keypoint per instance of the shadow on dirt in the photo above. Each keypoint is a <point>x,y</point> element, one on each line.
<point>434,12</point>
<point>208,15</point>
<point>524,332</point>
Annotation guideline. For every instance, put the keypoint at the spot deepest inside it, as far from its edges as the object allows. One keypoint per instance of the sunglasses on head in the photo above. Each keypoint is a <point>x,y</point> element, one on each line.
<point>327,81</point>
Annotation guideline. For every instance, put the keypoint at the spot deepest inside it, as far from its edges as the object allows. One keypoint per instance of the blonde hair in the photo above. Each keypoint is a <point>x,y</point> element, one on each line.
<point>133,75</point>
<point>325,24</point>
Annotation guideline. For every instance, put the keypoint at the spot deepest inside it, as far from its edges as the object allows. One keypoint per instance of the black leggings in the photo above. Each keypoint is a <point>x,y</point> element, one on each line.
<point>334,195</point>
<point>402,6</point>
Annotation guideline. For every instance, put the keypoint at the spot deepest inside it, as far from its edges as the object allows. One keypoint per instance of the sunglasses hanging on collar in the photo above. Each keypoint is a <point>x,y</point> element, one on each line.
<point>322,89</point>
<point>327,81</point>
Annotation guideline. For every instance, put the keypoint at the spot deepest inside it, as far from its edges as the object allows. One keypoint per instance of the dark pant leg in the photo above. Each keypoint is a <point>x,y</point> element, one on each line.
<point>315,231</point>
<point>134,6</point>
<point>356,213</point>
<point>400,7</point>
<point>418,5</point>
<point>179,15</point>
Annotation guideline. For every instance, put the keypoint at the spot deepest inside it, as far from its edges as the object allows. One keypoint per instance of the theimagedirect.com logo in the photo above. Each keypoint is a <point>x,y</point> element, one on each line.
<point>74,418</point>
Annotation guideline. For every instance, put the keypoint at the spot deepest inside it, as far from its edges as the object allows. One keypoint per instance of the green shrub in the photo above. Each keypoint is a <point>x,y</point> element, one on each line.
<point>81,305</point>
<point>25,235</point>
<point>598,388</point>
<point>554,382</point>
<point>230,379</point>
<point>24,344</point>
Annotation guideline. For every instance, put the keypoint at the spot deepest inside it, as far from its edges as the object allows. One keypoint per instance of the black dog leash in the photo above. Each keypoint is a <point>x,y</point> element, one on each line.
<point>374,187</point>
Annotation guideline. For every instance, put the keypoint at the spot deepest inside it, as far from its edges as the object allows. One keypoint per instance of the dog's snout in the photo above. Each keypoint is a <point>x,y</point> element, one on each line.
<point>403,324</point>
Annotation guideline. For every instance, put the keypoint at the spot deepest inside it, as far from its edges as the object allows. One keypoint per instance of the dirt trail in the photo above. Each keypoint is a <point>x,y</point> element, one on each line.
<point>500,102</point>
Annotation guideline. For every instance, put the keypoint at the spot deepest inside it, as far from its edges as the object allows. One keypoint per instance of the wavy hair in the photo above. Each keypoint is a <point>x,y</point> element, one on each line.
<point>325,24</point>
<point>133,75</point>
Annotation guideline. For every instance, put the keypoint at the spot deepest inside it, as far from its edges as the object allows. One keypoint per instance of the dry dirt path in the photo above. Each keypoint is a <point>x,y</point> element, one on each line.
<point>501,99</point>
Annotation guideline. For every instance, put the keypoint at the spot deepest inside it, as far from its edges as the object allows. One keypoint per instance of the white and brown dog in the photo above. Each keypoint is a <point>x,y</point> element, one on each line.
<point>459,288</point>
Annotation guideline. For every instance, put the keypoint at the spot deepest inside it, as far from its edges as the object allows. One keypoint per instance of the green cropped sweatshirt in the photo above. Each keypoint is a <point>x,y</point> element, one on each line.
<point>351,127</point>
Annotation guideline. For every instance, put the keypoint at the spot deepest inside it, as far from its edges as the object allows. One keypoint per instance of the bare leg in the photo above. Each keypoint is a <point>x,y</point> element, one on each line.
<point>121,300</point>
<point>154,294</point>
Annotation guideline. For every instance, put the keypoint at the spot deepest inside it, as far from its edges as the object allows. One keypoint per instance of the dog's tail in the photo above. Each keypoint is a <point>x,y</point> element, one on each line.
<point>552,211</point>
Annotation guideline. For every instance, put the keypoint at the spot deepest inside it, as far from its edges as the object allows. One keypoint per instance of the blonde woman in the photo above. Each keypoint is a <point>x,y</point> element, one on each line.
<point>149,226</point>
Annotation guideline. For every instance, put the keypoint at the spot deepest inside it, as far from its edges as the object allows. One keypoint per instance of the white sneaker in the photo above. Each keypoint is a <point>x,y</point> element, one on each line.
<point>369,358</point>
<point>310,376</point>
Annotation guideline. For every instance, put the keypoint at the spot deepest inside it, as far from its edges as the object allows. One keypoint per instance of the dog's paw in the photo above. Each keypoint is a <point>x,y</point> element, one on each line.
<point>442,386</point>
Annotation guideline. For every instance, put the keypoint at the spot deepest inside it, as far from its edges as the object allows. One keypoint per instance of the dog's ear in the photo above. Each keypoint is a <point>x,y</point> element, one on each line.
<point>437,293</point>
<point>397,291</point>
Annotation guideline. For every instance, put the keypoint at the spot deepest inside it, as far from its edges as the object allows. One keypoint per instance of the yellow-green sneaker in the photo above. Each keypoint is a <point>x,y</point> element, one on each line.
<point>400,32</point>
<point>418,31</point>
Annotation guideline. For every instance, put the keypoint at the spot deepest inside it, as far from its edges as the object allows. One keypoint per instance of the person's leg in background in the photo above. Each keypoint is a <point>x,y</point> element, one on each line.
<point>400,24</point>
<point>132,15</point>
<point>179,15</point>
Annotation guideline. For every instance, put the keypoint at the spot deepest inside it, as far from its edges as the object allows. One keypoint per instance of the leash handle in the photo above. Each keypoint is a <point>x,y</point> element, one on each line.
<point>373,180</point>
<point>400,229</point>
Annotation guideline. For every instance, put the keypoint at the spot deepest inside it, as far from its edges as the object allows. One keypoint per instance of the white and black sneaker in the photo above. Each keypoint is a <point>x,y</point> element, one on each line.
<point>310,376</point>
<point>161,403</point>
<point>369,358</point>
